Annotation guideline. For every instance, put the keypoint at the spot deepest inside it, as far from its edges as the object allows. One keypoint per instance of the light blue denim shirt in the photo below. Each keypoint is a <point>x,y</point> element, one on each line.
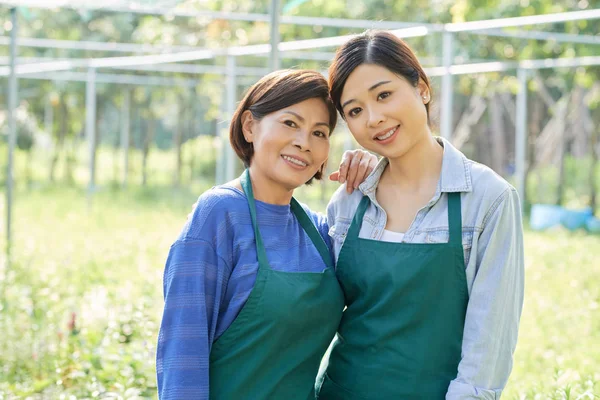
<point>493,247</point>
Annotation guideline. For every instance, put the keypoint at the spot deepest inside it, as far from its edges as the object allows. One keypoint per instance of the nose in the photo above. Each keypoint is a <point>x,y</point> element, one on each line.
<point>301,140</point>
<point>375,117</point>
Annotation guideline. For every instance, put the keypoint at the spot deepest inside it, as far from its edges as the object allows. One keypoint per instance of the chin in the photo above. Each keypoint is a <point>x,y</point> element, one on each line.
<point>398,151</point>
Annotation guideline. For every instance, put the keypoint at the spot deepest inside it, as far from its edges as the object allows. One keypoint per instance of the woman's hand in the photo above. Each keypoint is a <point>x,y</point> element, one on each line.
<point>356,165</point>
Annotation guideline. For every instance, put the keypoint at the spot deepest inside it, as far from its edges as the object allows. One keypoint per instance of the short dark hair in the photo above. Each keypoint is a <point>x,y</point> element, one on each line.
<point>273,92</point>
<point>378,48</point>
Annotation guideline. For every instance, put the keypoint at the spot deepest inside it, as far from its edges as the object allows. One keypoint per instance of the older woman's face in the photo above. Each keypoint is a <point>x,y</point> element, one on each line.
<point>292,144</point>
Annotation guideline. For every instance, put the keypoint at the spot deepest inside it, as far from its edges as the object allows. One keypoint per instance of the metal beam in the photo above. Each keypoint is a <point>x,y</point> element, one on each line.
<point>136,48</point>
<point>523,21</point>
<point>196,69</point>
<point>537,35</point>
<point>274,37</point>
<point>95,46</point>
<point>497,66</point>
<point>121,79</point>
<point>174,68</point>
<point>472,68</point>
<point>210,69</point>
<point>202,54</point>
<point>151,48</point>
<point>206,16</point>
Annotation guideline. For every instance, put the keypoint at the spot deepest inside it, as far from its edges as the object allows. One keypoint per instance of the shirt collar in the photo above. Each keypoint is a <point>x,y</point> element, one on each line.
<point>455,176</point>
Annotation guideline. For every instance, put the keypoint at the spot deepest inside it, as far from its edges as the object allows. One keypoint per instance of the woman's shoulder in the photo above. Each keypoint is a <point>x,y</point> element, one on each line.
<point>212,208</point>
<point>481,186</point>
<point>318,219</point>
<point>222,195</point>
<point>489,189</point>
<point>344,204</point>
<point>485,178</point>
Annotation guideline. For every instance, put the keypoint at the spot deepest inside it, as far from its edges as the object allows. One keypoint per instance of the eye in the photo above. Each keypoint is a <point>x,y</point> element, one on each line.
<point>290,123</point>
<point>383,95</point>
<point>320,134</point>
<point>354,112</point>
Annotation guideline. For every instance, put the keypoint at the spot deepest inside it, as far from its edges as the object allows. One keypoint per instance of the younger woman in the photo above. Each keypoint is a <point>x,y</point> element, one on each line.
<point>429,251</point>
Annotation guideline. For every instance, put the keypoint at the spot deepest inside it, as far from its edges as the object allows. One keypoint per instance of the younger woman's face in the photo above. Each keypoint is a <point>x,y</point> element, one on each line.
<point>384,112</point>
<point>290,145</point>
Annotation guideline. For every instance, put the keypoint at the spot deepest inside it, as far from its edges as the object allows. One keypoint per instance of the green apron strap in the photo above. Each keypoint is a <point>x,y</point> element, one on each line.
<point>354,229</point>
<point>260,247</point>
<point>300,214</point>
<point>312,232</point>
<point>454,218</point>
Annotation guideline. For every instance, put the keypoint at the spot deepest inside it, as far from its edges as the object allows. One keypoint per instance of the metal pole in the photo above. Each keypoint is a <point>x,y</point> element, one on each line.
<point>221,133</point>
<point>447,86</point>
<point>12,129</point>
<point>125,125</point>
<point>275,37</point>
<point>231,98</point>
<point>521,135</point>
<point>90,124</point>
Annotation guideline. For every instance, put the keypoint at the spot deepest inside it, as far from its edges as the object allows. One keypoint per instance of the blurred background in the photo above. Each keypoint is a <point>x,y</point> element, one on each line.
<point>114,118</point>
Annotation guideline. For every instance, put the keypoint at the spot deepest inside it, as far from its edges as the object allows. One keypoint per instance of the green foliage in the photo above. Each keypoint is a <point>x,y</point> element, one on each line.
<point>24,140</point>
<point>75,321</point>
<point>82,302</point>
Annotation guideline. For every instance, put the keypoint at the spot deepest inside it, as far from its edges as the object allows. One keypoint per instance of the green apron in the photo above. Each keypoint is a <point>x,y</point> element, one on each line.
<point>401,334</point>
<point>273,348</point>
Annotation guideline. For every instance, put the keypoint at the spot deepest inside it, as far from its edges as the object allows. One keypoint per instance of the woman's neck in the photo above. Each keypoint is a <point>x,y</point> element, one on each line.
<point>419,168</point>
<point>268,191</point>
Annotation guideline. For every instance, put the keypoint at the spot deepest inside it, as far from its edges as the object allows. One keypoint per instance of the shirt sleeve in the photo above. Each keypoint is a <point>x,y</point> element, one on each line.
<point>495,304</point>
<point>193,283</point>
<point>340,211</point>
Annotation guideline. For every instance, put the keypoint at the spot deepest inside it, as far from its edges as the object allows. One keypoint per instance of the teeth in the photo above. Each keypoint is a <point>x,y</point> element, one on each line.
<point>295,161</point>
<point>387,135</point>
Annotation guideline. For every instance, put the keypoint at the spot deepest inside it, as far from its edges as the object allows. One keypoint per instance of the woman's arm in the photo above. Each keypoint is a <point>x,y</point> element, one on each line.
<point>195,279</point>
<point>495,303</point>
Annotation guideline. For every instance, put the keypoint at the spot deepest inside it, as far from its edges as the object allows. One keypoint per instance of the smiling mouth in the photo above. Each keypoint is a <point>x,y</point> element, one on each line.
<point>295,161</point>
<point>387,134</point>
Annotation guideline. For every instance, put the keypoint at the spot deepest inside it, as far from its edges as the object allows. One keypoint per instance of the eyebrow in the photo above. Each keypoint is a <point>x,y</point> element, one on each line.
<point>302,118</point>
<point>375,86</point>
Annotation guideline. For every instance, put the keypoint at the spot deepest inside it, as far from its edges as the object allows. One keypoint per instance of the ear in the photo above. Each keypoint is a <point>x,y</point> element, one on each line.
<point>247,126</point>
<point>423,91</point>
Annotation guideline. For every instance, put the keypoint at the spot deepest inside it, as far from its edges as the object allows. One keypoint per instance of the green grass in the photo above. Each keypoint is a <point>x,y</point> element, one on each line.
<point>102,261</point>
<point>558,356</point>
<point>101,258</point>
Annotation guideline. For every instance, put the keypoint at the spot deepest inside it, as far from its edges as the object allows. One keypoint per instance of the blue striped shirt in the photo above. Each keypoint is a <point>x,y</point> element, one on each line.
<point>209,274</point>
